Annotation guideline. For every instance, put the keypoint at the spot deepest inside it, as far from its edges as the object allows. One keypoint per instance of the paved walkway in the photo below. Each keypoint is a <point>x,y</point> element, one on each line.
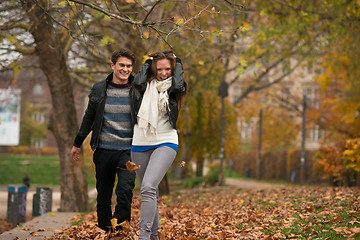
<point>40,227</point>
<point>249,184</point>
<point>29,201</point>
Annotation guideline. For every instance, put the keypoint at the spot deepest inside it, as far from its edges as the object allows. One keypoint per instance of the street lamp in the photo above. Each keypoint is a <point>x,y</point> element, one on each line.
<point>222,92</point>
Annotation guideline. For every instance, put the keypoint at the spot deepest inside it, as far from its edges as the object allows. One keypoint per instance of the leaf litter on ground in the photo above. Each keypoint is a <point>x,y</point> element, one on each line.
<point>293,212</point>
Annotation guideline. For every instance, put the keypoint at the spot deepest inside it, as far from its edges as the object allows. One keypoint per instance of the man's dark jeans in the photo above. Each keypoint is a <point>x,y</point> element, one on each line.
<point>107,164</point>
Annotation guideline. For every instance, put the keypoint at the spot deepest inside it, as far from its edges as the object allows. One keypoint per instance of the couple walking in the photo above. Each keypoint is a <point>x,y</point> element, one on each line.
<point>133,120</point>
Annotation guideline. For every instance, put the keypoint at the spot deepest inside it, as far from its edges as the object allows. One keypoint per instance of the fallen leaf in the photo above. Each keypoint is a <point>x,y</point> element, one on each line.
<point>113,223</point>
<point>126,226</point>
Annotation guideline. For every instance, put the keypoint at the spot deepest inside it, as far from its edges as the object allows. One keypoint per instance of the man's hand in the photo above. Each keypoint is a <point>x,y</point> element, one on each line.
<point>75,153</point>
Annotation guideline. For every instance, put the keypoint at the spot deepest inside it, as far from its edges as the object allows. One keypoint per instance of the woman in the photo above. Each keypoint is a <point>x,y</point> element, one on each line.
<point>159,87</point>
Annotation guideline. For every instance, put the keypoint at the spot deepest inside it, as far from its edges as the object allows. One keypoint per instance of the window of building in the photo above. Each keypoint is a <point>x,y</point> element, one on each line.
<point>38,89</point>
<point>236,94</point>
<point>39,117</point>
<point>38,142</point>
<point>247,128</point>
<point>312,97</point>
<point>314,134</point>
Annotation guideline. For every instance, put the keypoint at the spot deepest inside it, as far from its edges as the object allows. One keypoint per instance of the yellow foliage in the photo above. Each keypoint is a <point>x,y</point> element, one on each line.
<point>341,162</point>
<point>351,155</point>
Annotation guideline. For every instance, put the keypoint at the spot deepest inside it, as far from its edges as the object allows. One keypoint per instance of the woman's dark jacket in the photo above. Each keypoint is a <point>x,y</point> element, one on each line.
<point>94,114</point>
<point>139,87</point>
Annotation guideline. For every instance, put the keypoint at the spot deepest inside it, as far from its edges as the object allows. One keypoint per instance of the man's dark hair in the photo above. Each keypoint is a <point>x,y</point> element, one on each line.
<point>123,52</point>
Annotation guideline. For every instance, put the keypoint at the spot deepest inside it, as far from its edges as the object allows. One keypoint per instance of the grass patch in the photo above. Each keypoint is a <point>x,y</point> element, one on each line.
<point>42,170</point>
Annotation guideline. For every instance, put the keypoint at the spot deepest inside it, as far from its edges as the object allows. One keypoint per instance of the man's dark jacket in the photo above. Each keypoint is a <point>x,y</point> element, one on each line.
<point>94,114</point>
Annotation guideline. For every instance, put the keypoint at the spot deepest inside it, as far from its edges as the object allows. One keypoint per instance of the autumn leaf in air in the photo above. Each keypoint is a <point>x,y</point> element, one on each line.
<point>131,167</point>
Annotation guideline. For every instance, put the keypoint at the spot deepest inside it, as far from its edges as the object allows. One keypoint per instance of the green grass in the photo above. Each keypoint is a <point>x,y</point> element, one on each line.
<point>42,170</point>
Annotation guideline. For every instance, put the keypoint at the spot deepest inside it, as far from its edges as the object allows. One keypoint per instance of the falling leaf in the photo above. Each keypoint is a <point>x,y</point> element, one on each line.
<point>131,167</point>
<point>182,164</point>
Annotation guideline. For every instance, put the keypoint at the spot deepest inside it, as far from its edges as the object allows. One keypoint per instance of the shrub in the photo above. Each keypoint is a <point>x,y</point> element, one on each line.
<point>212,177</point>
<point>341,162</point>
<point>193,182</point>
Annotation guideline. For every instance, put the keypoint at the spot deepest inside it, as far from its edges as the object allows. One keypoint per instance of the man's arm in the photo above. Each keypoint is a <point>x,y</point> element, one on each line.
<point>85,128</point>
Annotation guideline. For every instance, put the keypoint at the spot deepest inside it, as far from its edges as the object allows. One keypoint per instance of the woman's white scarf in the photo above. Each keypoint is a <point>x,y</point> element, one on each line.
<point>154,103</point>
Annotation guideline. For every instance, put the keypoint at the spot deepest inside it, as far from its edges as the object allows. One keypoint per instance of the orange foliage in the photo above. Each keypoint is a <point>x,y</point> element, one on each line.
<point>340,162</point>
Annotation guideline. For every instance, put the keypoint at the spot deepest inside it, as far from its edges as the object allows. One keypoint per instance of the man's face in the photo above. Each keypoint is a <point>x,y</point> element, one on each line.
<point>122,70</point>
<point>163,69</point>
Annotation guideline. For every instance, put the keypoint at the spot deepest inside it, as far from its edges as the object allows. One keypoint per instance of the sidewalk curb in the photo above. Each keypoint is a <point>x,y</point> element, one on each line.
<point>40,227</point>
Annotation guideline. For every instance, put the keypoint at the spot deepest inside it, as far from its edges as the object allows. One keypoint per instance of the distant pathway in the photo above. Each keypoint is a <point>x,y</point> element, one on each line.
<point>250,184</point>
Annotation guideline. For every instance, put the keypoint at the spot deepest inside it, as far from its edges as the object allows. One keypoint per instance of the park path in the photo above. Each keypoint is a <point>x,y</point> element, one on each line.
<point>250,184</point>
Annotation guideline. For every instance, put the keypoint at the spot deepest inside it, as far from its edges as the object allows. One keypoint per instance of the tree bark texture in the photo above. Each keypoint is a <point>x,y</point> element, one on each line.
<point>199,166</point>
<point>63,124</point>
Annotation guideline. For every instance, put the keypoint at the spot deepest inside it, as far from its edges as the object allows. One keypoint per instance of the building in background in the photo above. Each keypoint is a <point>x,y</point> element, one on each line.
<point>287,94</point>
<point>36,104</point>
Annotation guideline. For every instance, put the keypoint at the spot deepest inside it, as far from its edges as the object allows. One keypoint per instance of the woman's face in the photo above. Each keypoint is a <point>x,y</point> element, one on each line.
<point>163,69</point>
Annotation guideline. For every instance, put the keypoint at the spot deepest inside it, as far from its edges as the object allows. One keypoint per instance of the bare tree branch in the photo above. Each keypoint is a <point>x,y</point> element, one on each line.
<point>20,48</point>
<point>253,85</point>
<point>80,80</point>
<point>280,78</point>
<point>150,11</point>
<point>234,4</point>
<point>190,19</point>
<point>14,25</point>
<point>79,32</point>
<point>111,15</point>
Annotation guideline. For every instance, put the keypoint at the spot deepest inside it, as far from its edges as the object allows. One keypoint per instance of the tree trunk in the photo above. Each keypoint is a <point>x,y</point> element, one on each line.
<point>164,186</point>
<point>199,167</point>
<point>63,121</point>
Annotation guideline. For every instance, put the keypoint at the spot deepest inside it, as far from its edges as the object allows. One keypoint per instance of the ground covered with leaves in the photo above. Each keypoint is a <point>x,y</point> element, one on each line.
<point>233,213</point>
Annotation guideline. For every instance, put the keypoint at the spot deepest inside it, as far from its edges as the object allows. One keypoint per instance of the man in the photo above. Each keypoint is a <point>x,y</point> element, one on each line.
<point>109,118</point>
